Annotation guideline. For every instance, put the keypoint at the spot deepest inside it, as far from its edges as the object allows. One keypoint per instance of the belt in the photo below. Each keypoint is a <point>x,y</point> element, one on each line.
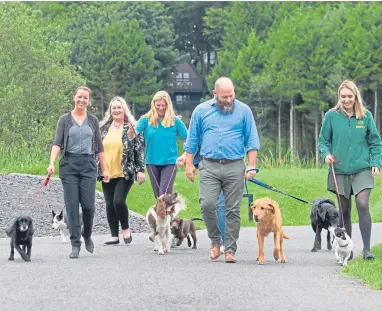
<point>221,161</point>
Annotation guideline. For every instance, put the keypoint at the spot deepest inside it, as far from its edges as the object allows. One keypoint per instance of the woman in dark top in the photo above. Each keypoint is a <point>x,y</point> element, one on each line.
<point>78,138</point>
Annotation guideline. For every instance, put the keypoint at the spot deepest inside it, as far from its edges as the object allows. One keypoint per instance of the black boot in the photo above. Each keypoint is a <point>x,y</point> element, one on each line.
<point>75,252</point>
<point>89,245</point>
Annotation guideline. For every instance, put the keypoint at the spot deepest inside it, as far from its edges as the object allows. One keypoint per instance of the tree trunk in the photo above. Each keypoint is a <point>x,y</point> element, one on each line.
<point>303,140</point>
<point>133,108</point>
<point>316,138</point>
<point>102,105</point>
<point>291,129</point>
<point>279,130</point>
<point>322,116</point>
<point>375,107</point>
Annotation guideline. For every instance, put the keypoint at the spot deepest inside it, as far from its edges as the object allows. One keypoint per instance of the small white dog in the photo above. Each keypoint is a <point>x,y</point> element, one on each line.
<point>159,216</point>
<point>60,222</point>
<point>343,245</point>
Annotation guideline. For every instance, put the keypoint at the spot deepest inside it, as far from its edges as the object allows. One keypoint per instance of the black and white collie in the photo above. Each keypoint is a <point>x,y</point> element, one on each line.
<point>60,223</point>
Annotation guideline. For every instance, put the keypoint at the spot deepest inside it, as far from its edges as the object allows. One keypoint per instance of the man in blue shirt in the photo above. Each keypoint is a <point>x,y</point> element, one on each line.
<point>225,130</point>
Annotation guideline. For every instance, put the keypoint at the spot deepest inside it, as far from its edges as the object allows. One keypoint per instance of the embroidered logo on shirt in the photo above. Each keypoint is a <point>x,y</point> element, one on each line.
<point>360,124</point>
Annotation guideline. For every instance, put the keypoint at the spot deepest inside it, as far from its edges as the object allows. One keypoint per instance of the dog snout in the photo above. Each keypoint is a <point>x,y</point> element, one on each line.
<point>23,228</point>
<point>256,218</point>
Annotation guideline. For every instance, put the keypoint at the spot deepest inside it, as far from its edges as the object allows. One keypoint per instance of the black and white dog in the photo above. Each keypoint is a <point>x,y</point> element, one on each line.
<point>342,244</point>
<point>60,223</point>
<point>21,233</point>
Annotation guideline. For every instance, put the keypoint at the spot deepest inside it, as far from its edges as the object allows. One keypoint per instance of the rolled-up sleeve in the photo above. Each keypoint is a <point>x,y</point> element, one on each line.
<point>251,136</point>
<point>193,136</point>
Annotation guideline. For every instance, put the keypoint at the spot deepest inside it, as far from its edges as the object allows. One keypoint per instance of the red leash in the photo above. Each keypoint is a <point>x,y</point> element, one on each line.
<point>44,184</point>
<point>338,193</point>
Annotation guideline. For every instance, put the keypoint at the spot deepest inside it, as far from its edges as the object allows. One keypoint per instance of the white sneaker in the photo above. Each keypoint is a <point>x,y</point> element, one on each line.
<point>222,249</point>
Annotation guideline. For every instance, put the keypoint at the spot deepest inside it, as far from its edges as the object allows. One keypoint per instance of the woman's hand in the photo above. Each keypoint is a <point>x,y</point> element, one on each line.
<point>374,171</point>
<point>140,178</point>
<point>181,160</point>
<point>106,177</point>
<point>131,132</point>
<point>330,159</point>
<point>50,169</point>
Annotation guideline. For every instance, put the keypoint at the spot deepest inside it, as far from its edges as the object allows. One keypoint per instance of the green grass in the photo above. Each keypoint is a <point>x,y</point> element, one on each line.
<point>308,184</point>
<point>369,271</point>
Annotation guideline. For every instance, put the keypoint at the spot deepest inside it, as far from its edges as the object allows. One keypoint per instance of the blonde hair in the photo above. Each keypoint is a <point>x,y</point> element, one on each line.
<point>169,116</point>
<point>359,108</point>
<point>128,115</point>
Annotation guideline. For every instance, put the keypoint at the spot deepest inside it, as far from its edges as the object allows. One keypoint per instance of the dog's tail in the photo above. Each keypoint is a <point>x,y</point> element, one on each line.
<point>192,219</point>
<point>180,205</point>
<point>286,236</point>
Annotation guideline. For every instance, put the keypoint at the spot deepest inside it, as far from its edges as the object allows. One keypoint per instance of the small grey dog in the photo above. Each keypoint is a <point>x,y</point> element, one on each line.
<point>182,228</point>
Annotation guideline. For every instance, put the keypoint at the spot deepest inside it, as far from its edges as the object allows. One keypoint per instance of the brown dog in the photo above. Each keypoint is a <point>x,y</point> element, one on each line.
<point>182,228</point>
<point>267,215</point>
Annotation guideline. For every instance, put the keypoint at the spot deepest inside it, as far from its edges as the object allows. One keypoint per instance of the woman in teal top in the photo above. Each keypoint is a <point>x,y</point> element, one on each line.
<point>161,128</point>
<point>349,135</point>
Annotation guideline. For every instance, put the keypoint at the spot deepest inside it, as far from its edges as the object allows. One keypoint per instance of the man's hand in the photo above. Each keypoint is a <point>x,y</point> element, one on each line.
<point>190,172</point>
<point>250,172</point>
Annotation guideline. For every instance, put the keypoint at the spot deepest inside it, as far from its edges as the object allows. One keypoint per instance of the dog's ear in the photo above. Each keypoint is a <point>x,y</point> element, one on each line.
<point>31,227</point>
<point>271,208</point>
<point>61,214</point>
<point>53,213</point>
<point>12,228</point>
<point>322,213</point>
<point>180,224</point>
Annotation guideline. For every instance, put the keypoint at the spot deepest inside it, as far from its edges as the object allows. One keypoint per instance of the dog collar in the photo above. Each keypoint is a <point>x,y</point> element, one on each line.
<point>343,245</point>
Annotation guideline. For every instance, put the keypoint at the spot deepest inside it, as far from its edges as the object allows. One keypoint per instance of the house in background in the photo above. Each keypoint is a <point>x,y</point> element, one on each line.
<point>186,87</point>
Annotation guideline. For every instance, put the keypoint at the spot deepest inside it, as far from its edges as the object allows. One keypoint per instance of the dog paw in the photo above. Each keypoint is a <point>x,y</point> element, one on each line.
<point>64,241</point>
<point>276,255</point>
<point>283,260</point>
<point>261,260</point>
<point>314,250</point>
<point>329,247</point>
<point>161,252</point>
<point>155,249</point>
<point>11,258</point>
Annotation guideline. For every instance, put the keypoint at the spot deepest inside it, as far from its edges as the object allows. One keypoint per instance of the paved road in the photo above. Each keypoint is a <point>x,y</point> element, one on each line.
<point>133,277</point>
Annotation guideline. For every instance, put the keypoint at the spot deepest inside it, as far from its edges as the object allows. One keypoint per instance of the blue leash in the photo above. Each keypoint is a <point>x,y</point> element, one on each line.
<point>261,184</point>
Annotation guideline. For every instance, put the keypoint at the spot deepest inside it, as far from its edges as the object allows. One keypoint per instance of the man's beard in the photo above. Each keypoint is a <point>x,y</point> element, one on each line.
<point>225,108</point>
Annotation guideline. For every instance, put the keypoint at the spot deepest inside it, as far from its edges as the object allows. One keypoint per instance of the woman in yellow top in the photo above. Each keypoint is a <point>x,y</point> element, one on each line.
<point>125,160</point>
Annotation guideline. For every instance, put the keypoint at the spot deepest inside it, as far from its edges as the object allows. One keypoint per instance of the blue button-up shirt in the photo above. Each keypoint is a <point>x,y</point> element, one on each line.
<point>222,136</point>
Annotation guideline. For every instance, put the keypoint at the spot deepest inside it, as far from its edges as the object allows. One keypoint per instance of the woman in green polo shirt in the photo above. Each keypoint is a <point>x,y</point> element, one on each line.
<point>349,139</point>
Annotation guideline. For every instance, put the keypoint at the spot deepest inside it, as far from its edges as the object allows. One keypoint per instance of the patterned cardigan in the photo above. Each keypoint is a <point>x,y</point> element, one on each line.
<point>133,158</point>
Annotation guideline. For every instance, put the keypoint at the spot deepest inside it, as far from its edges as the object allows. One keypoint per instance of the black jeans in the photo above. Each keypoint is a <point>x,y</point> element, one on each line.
<point>78,174</point>
<point>115,193</point>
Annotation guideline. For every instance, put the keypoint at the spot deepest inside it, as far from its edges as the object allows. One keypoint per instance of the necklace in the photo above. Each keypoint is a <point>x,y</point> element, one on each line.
<point>117,126</point>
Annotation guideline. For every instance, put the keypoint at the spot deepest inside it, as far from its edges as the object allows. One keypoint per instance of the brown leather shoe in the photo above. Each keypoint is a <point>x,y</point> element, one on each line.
<point>215,252</point>
<point>230,258</point>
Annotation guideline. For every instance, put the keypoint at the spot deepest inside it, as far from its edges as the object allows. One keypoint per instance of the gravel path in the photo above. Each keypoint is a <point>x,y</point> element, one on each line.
<point>18,193</point>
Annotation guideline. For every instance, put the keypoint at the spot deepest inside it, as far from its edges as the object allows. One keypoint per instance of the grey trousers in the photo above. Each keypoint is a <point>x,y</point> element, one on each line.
<point>78,174</point>
<point>228,177</point>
